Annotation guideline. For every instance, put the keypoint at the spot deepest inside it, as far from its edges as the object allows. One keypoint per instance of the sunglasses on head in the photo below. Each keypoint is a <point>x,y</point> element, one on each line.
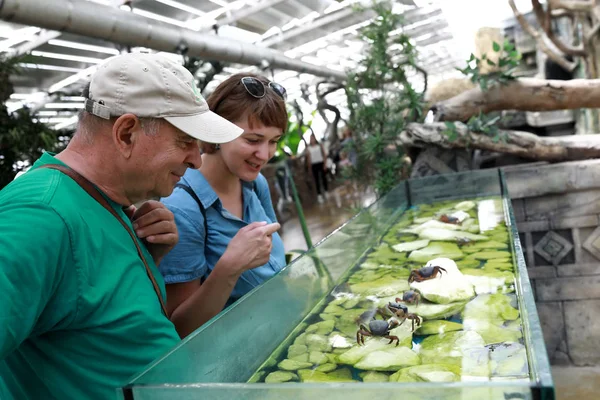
<point>257,88</point>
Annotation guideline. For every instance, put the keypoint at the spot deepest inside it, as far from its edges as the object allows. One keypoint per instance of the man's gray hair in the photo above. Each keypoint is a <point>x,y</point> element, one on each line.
<point>89,124</point>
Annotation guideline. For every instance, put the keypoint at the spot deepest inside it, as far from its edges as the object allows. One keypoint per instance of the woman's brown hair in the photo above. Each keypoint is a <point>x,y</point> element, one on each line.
<point>231,101</point>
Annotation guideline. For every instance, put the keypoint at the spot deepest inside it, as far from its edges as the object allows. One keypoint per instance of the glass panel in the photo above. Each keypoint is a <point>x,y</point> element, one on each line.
<point>532,330</point>
<point>258,330</point>
<point>390,391</point>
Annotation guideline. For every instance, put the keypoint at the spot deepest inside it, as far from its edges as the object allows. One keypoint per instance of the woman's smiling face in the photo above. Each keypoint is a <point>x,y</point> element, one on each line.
<point>246,155</point>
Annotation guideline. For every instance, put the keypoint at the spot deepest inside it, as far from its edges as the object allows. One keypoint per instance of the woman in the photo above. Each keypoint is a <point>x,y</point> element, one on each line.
<point>227,227</point>
<point>316,161</point>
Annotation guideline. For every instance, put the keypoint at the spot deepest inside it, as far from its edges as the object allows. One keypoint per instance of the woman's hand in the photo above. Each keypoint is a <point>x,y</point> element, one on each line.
<point>250,247</point>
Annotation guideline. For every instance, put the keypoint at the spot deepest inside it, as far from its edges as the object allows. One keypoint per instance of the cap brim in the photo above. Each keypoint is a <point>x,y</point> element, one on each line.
<point>207,126</point>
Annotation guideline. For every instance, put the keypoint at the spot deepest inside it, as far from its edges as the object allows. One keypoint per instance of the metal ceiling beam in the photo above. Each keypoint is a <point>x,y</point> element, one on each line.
<point>43,37</point>
<point>248,11</point>
<point>115,25</point>
<point>315,24</point>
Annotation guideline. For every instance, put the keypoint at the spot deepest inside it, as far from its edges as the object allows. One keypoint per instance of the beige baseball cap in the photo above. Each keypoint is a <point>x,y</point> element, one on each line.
<point>152,85</point>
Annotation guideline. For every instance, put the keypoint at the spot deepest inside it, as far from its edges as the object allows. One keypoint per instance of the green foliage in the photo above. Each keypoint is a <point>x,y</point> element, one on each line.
<point>293,136</point>
<point>22,141</point>
<point>483,124</point>
<point>508,62</point>
<point>381,101</point>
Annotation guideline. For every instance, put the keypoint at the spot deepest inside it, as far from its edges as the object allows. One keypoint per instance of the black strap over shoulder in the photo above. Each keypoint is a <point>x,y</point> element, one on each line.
<point>202,209</point>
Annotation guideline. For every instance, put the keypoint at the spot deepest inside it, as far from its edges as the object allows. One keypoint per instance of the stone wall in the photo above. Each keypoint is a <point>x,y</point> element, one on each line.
<point>557,208</point>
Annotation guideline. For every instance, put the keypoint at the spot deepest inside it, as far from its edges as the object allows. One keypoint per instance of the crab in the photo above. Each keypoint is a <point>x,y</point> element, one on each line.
<point>449,219</point>
<point>378,327</point>
<point>410,297</point>
<point>425,273</point>
<point>463,241</point>
<point>401,312</point>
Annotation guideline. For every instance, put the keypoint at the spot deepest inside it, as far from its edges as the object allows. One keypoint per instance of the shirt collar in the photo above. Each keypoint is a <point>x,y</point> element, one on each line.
<point>194,179</point>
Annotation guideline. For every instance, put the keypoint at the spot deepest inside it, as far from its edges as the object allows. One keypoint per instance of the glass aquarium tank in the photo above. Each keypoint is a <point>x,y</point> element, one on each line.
<point>422,295</point>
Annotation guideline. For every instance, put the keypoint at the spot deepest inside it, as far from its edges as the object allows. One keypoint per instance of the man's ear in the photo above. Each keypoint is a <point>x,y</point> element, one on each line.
<point>126,130</point>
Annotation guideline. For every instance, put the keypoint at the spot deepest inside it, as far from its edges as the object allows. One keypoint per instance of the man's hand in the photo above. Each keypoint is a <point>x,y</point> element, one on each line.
<point>155,225</point>
<point>250,247</point>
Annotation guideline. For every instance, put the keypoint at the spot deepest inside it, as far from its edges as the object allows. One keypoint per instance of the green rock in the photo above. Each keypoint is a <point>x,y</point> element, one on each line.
<point>391,358</point>
<point>316,357</point>
<point>410,246</point>
<point>352,315</point>
<point>357,353</point>
<point>438,327</point>
<point>404,333</point>
<point>429,311</point>
<point>384,254</point>
<point>318,343</point>
<point>492,333</point>
<point>334,309</point>
<point>489,273</point>
<point>467,263</point>
<point>321,328</point>
<point>338,341</point>
<point>300,357</point>
<point>484,245</point>
<point>301,339</point>
<point>436,249</point>
<point>327,317</point>
<point>347,327</point>
<point>488,255</point>
<point>374,376</point>
<point>351,303</point>
<point>291,365</point>
<point>333,358</point>
<point>493,307</point>
<point>327,367</point>
<point>281,376</point>
<point>503,237</point>
<point>428,373</point>
<point>509,360</point>
<point>340,375</point>
<point>465,205</point>
<point>490,281</point>
<point>505,266</point>
<point>386,286</point>
<point>449,348</point>
<point>369,265</point>
<point>296,350</point>
<point>441,234</point>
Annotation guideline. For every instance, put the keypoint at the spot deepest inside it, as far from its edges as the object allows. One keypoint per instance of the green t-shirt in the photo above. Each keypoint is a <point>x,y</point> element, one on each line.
<point>78,314</point>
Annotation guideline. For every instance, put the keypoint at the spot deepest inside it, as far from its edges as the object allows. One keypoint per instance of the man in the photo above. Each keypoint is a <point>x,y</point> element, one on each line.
<point>81,312</point>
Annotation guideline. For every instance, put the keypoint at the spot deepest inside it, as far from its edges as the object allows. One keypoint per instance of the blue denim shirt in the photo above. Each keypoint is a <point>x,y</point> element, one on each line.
<point>196,254</point>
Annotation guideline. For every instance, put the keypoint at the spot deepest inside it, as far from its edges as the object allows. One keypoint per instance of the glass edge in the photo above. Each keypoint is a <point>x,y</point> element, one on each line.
<point>343,385</point>
<point>536,349</point>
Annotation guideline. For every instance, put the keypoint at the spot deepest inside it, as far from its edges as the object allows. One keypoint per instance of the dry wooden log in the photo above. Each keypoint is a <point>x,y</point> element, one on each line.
<point>524,94</point>
<point>518,143</point>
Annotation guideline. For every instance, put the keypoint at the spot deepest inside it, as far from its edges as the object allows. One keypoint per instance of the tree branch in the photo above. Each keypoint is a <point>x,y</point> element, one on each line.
<point>525,94</point>
<point>567,65</point>
<point>572,5</point>
<point>543,19</point>
<point>518,143</point>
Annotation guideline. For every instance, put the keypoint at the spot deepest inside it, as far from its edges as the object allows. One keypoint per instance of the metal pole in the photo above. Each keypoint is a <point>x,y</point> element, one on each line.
<point>298,206</point>
<point>115,25</point>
